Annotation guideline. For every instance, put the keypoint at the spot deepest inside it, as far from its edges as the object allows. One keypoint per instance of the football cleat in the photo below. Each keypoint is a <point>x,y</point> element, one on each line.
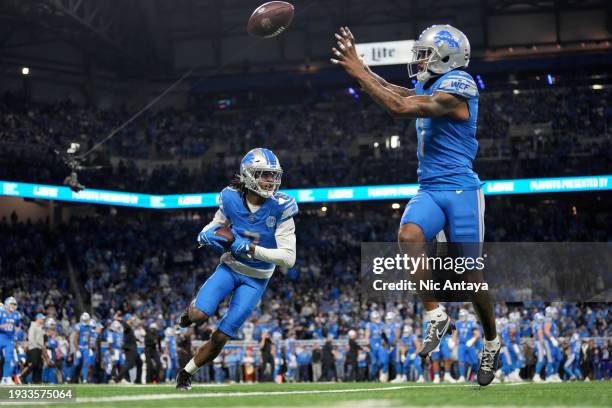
<point>434,333</point>
<point>489,363</point>
<point>183,381</point>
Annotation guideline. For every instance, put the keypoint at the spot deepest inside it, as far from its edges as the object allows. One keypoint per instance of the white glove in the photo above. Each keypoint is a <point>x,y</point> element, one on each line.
<point>78,354</point>
<point>470,342</point>
<point>554,342</point>
<point>451,344</point>
<point>412,356</point>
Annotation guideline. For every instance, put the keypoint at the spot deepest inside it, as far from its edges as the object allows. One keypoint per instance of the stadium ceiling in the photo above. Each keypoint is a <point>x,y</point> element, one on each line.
<point>142,36</point>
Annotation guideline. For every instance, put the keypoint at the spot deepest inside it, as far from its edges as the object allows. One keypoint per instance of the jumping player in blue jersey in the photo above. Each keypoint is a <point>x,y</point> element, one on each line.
<point>9,324</point>
<point>450,199</point>
<point>261,219</point>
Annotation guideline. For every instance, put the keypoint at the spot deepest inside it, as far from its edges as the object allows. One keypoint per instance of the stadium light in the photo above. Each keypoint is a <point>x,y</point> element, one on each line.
<point>550,79</point>
<point>597,87</point>
<point>395,206</point>
<point>25,71</point>
<point>516,91</point>
<point>324,209</point>
<point>376,144</point>
<point>392,142</point>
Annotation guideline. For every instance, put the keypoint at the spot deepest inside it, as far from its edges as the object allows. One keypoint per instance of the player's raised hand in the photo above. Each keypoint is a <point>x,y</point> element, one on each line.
<point>345,54</point>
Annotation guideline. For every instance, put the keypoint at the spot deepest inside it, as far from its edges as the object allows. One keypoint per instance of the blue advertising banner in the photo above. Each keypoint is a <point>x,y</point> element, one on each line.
<point>305,195</point>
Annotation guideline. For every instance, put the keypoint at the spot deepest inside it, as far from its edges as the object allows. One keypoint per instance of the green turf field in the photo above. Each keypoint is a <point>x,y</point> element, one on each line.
<point>351,395</point>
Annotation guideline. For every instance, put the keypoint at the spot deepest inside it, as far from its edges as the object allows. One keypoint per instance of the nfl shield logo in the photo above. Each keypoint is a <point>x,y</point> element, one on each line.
<point>251,218</point>
<point>270,221</point>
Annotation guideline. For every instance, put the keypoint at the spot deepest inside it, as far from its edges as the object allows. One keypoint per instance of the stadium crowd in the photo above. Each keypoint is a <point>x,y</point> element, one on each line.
<point>135,275</point>
<point>535,132</point>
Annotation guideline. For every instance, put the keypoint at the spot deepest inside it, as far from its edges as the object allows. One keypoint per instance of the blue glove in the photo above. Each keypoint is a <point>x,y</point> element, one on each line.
<point>208,238</point>
<point>241,245</point>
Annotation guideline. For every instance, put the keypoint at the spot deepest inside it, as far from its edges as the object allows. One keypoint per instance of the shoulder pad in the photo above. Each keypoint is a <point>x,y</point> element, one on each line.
<point>287,206</point>
<point>226,197</point>
<point>459,83</point>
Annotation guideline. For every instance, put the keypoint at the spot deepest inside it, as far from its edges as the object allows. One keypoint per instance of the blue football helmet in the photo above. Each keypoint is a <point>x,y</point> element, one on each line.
<point>261,172</point>
<point>439,49</point>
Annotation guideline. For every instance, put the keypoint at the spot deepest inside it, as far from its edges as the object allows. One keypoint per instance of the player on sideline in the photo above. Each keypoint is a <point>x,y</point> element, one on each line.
<point>261,219</point>
<point>9,322</point>
<point>450,198</point>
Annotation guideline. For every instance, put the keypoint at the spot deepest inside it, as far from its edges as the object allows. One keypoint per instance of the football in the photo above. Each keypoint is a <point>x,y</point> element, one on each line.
<point>270,19</point>
<point>226,232</point>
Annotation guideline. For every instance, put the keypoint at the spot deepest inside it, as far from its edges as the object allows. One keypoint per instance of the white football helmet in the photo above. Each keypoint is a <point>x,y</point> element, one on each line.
<point>10,304</point>
<point>463,315</point>
<point>116,327</point>
<point>439,49</point>
<point>85,318</point>
<point>551,312</point>
<point>50,323</point>
<point>390,317</point>
<point>375,316</point>
<point>261,166</point>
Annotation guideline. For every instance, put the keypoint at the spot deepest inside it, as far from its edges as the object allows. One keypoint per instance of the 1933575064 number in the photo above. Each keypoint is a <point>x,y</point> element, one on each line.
<point>37,394</point>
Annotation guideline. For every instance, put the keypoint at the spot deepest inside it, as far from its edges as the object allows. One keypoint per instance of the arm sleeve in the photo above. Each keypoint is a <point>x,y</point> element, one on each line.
<point>284,254</point>
<point>219,219</point>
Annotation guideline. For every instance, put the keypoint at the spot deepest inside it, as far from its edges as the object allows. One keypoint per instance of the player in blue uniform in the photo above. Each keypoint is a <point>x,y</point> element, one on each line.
<point>170,351</point>
<point>81,346</point>
<point>410,359</point>
<point>513,359</point>
<point>461,337</point>
<point>572,364</point>
<point>114,340</point>
<point>551,344</point>
<point>9,322</point>
<point>538,345</point>
<point>49,374</point>
<point>261,219</point>
<point>373,333</point>
<point>391,336</point>
<point>450,198</point>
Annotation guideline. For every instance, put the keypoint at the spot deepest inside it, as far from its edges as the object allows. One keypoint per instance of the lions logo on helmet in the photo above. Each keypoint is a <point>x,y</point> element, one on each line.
<point>439,49</point>
<point>447,37</point>
<point>261,172</point>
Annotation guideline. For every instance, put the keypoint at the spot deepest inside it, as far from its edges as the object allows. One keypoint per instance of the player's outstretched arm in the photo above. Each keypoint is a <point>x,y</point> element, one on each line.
<point>400,90</point>
<point>418,106</point>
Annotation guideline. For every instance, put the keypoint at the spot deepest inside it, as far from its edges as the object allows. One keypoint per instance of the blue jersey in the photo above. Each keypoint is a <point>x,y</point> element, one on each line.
<point>553,328</point>
<point>84,331</point>
<point>509,338</point>
<point>375,333</point>
<point>465,330</point>
<point>259,226</point>
<point>575,346</point>
<point>409,341</point>
<point>447,147</point>
<point>390,330</point>
<point>52,345</point>
<point>12,320</point>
